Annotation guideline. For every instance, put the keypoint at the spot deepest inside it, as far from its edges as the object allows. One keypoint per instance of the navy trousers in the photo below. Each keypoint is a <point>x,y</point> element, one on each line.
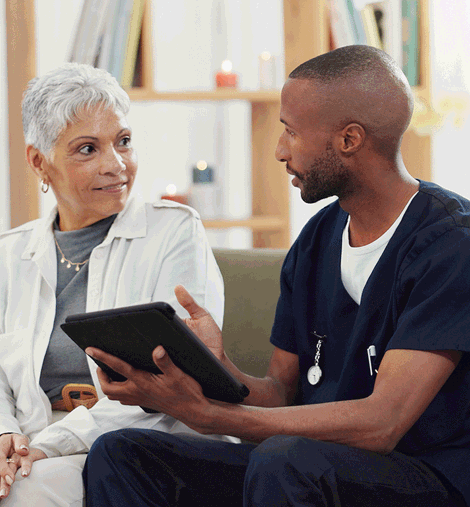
<point>140,468</point>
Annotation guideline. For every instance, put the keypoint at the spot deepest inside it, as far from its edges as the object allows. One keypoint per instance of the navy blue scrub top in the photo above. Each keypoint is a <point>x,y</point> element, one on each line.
<point>417,297</point>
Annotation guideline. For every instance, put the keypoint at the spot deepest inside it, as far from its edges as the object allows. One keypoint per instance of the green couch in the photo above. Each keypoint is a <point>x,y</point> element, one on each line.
<point>251,280</point>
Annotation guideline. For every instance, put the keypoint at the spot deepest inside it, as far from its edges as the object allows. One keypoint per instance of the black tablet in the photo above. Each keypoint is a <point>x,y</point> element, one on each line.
<point>133,332</point>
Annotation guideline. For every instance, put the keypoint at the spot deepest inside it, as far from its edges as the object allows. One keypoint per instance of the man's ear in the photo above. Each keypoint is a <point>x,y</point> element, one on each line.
<point>36,161</point>
<point>353,137</point>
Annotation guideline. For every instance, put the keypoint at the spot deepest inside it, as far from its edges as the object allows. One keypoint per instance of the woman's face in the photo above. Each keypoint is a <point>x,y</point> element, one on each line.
<point>91,169</point>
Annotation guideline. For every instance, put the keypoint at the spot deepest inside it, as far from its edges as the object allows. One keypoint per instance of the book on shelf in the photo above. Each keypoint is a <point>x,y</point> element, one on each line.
<point>356,22</point>
<point>371,27</point>
<point>347,23</point>
<point>388,18</point>
<point>107,50</point>
<point>410,29</point>
<point>80,33</point>
<point>392,30</point>
<point>133,38</point>
<point>121,34</point>
<point>107,36</point>
<point>391,25</point>
<point>341,24</point>
<point>89,31</point>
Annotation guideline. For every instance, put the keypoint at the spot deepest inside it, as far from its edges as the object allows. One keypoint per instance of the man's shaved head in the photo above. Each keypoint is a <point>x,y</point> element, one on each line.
<point>364,85</point>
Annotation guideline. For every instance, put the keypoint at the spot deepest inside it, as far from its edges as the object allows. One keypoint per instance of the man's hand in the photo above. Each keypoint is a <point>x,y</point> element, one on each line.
<point>201,322</point>
<point>14,454</point>
<point>172,392</point>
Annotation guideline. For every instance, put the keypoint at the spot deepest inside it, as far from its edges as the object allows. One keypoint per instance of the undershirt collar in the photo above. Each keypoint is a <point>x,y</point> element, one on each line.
<point>357,263</point>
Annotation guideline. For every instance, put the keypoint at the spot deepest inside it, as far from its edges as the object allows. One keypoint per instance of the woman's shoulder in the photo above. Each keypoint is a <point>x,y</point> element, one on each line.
<point>174,212</point>
<point>166,204</point>
<point>18,233</point>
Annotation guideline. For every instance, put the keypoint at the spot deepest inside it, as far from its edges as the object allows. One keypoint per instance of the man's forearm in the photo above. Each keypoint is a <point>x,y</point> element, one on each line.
<point>264,392</point>
<point>357,423</point>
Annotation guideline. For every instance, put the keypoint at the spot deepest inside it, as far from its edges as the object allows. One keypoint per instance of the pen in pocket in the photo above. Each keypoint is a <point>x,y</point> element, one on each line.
<point>371,353</point>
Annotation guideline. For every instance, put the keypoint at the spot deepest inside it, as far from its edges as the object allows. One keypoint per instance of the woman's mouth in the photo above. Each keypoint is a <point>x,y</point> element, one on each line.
<point>113,188</point>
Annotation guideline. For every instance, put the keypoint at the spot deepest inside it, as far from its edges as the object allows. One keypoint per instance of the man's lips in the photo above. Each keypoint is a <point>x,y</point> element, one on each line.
<point>293,173</point>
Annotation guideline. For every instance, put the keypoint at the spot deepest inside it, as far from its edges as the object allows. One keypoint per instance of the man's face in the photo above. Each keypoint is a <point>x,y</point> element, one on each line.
<point>306,144</point>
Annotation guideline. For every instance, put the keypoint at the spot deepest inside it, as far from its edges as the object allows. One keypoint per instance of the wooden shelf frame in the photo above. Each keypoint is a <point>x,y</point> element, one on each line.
<point>141,94</point>
<point>21,61</point>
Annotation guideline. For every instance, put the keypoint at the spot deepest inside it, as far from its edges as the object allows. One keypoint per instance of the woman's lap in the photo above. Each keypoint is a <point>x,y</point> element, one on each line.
<point>53,482</point>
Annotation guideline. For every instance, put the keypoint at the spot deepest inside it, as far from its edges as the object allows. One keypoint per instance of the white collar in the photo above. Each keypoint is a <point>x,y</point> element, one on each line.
<point>131,222</point>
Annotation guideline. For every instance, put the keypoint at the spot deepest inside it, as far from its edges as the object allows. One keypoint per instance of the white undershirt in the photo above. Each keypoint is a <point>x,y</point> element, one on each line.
<point>357,263</point>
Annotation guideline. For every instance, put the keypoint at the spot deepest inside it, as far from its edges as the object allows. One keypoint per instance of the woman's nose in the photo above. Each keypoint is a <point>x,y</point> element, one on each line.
<point>114,163</point>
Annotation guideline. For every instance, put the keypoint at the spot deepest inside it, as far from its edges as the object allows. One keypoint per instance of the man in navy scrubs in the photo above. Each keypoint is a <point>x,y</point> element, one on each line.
<point>366,400</point>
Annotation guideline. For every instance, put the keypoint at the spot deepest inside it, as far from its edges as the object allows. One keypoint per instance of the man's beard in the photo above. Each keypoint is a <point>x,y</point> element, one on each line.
<point>327,176</point>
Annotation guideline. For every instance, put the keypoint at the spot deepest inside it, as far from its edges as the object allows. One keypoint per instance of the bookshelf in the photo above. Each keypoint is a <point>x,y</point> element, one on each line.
<point>270,222</point>
<point>270,184</point>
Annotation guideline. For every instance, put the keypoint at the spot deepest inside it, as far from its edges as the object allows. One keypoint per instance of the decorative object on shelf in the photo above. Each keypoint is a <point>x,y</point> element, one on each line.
<point>455,106</point>
<point>204,195</point>
<point>267,71</point>
<point>172,195</point>
<point>225,78</point>
<point>426,120</point>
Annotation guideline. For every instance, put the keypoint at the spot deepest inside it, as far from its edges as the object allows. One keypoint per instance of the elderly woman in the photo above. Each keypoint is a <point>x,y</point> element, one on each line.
<point>98,249</point>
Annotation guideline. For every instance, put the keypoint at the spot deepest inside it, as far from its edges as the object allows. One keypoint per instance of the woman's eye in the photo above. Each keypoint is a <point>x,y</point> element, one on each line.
<point>125,141</point>
<point>87,149</point>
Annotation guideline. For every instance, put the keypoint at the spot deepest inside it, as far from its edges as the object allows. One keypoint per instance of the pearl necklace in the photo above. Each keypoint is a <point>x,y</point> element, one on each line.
<point>69,263</point>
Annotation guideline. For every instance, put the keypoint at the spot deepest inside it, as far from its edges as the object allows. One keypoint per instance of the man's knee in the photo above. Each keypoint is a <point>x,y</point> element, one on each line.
<point>286,470</point>
<point>107,441</point>
<point>116,445</point>
<point>281,451</point>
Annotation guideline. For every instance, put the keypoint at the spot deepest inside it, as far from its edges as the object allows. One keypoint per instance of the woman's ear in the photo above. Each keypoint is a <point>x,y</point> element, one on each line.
<point>353,137</point>
<point>36,161</point>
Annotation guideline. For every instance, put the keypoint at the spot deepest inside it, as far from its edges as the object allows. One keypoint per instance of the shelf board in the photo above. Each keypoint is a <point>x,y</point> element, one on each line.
<point>143,94</point>
<point>257,223</point>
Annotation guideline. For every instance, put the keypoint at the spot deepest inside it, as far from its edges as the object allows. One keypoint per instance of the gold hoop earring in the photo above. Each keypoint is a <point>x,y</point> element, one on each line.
<point>44,186</point>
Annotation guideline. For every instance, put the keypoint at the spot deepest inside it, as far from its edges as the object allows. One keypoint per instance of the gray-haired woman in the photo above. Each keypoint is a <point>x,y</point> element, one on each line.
<point>98,249</point>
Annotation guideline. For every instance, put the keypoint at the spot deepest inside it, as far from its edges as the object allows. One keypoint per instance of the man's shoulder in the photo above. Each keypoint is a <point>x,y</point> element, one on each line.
<point>442,206</point>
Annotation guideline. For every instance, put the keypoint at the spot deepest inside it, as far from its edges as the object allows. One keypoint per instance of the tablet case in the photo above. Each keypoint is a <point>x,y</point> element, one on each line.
<point>132,333</point>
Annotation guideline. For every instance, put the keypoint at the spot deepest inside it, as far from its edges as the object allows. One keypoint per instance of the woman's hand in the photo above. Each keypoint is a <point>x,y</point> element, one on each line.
<point>201,322</point>
<point>13,447</point>
<point>14,454</point>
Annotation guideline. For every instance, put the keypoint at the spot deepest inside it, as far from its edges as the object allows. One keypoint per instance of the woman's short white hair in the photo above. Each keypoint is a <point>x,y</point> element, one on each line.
<point>54,100</point>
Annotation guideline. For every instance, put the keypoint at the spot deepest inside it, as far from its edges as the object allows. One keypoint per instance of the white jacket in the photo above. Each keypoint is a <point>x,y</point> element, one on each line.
<point>149,249</point>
